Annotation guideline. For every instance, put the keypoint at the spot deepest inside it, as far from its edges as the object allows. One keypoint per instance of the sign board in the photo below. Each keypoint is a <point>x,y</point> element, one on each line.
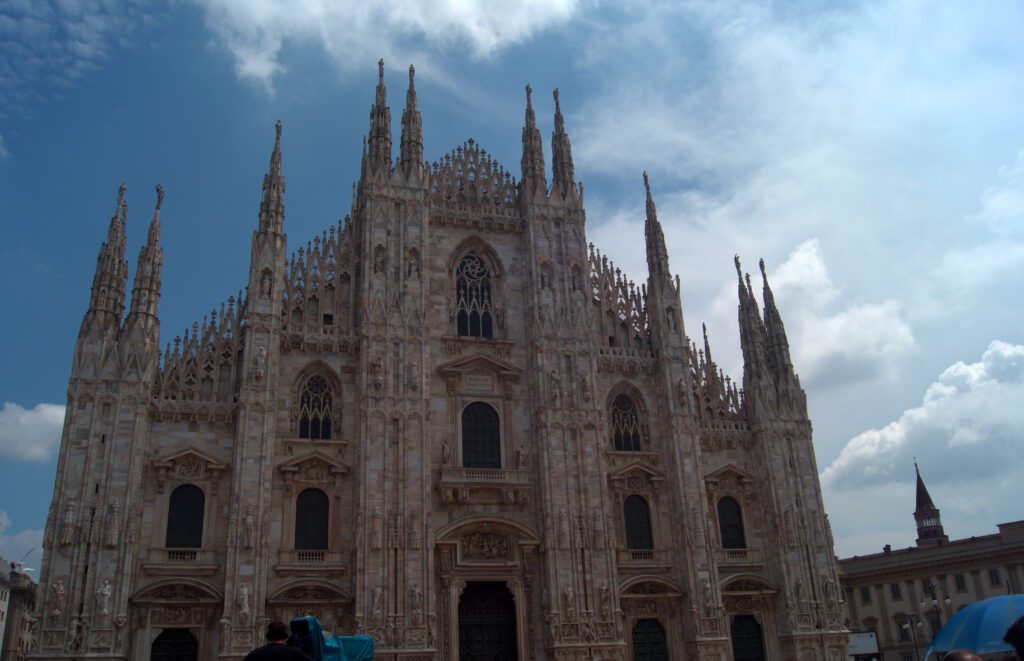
<point>863,646</point>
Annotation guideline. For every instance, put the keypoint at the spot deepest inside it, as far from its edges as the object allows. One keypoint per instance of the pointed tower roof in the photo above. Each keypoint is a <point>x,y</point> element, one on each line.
<point>534,181</point>
<point>775,332</point>
<point>146,287</point>
<point>272,203</point>
<point>412,129</point>
<point>106,299</point>
<point>657,253</point>
<point>379,157</point>
<point>927,516</point>
<point>563,176</point>
<point>752,332</point>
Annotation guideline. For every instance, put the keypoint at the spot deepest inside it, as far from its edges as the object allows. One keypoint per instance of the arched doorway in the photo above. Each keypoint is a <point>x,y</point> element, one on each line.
<point>175,645</point>
<point>487,622</point>
<point>747,642</point>
<point>649,642</point>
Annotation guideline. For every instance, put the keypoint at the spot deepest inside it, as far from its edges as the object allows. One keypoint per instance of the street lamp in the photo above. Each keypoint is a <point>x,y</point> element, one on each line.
<point>912,626</point>
<point>932,604</point>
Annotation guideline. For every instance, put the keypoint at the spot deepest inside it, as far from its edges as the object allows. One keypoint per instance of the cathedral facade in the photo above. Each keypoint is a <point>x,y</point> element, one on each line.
<point>448,423</point>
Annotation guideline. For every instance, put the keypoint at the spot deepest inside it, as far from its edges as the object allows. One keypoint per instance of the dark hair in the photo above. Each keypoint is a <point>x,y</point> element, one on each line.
<point>1015,636</point>
<point>961,655</point>
<point>277,631</point>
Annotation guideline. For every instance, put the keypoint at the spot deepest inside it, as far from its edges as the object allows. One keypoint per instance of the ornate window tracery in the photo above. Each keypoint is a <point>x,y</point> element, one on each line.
<point>311,519</point>
<point>185,512</point>
<point>730,524</point>
<point>315,409</point>
<point>626,431</point>
<point>481,436</point>
<point>473,297</point>
<point>637,517</point>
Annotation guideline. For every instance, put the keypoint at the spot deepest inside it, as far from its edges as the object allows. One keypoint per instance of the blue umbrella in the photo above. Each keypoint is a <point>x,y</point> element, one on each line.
<point>980,627</point>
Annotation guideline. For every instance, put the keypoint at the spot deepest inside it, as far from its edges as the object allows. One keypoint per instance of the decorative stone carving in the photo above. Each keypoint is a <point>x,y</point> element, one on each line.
<point>103,593</point>
<point>249,527</point>
<point>485,546</point>
<point>416,604</point>
<point>259,364</point>
<point>568,603</point>
<point>377,605</point>
<point>67,531</point>
<point>446,452</point>
<point>57,591</point>
<point>244,602</point>
<point>113,527</point>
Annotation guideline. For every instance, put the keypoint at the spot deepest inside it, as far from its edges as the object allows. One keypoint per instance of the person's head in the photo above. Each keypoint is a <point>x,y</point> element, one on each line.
<point>961,655</point>
<point>1015,636</point>
<point>277,632</point>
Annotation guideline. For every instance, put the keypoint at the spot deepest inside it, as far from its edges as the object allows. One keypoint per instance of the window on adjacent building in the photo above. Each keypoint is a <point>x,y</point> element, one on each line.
<point>315,409</point>
<point>961,584</point>
<point>481,436</point>
<point>473,297</point>
<point>311,517</point>
<point>730,524</point>
<point>902,630</point>
<point>185,517</point>
<point>625,425</point>
<point>865,596</point>
<point>897,594</point>
<point>638,523</point>
<point>994,578</point>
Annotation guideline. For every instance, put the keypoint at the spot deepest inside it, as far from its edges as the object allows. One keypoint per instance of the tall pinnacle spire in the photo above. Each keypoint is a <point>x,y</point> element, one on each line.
<point>752,333</point>
<point>926,514</point>
<point>272,204</point>
<point>778,344</point>
<point>106,300</point>
<point>146,288</point>
<point>563,172</point>
<point>379,157</point>
<point>657,253</point>
<point>412,130</point>
<point>534,181</point>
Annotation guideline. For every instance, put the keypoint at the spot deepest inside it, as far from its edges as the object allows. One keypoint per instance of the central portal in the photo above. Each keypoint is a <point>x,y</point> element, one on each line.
<point>487,622</point>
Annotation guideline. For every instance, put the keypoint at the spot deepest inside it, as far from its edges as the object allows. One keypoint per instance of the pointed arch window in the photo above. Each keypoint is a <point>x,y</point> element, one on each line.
<point>625,425</point>
<point>315,409</point>
<point>473,297</point>
<point>185,517</point>
<point>730,524</point>
<point>311,516</point>
<point>481,436</point>
<point>637,516</point>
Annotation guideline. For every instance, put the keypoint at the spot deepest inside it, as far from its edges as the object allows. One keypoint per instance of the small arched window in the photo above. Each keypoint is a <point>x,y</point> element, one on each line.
<point>481,436</point>
<point>625,425</point>
<point>730,524</point>
<point>473,297</point>
<point>311,516</point>
<point>637,518</point>
<point>315,409</point>
<point>185,518</point>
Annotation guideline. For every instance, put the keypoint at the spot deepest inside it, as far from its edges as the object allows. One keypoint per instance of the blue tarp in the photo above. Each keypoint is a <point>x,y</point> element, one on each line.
<point>310,638</point>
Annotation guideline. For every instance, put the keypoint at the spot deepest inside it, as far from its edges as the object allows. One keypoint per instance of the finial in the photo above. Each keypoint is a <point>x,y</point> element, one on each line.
<point>380,69</point>
<point>412,73</point>
<point>120,193</point>
<point>761,264</point>
<point>736,259</point>
<point>529,97</point>
<point>159,196</point>
<point>915,467</point>
<point>555,93</point>
<point>705,327</point>
<point>647,183</point>
<point>277,131</point>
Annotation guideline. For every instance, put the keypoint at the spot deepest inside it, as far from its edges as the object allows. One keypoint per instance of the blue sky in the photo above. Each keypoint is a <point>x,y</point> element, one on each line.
<point>872,152</point>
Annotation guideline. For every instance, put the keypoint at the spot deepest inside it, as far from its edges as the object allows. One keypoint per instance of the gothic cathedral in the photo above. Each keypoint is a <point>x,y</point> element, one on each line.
<point>448,423</point>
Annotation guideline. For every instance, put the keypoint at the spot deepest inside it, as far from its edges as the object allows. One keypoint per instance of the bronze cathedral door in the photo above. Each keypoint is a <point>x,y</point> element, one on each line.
<point>487,622</point>
<point>175,645</point>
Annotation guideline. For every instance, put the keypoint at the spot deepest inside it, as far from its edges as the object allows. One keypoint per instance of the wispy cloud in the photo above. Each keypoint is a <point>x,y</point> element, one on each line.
<point>354,33</point>
<point>25,544</point>
<point>30,434</point>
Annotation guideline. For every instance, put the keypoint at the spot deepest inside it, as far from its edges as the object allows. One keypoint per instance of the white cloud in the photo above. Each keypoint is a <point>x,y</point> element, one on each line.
<point>3,149</point>
<point>966,435</point>
<point>30,434</point>
<point>354,33</point>
<point>27,544</point>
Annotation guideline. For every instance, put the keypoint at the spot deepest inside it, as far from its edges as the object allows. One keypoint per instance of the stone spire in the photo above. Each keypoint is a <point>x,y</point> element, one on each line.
<point>752,334</point>
<point>657,253</point>
<point>379,155</point>
<point>534,181</point>
<point>272,204</point>
<point>926,514</point>
<point>563,173</point>
<point>146,288</point>
<point>412,130</point>
<point>775,333</point>
<point>106,300</point>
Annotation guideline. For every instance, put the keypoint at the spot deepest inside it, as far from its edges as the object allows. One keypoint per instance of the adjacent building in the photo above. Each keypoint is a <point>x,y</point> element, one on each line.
<point>906,595</point>
<point>448,422</point>
<point>17,608</point>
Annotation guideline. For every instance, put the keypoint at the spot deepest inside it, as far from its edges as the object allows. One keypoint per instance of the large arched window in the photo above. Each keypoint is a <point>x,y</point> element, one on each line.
<point>730,524</point>
<point>315,409</point>
<point>185,518</point>
<point>481,436</point>
<point>473,297</point>
<point>747,639</point>
<point>637,518</point>
<point>311,511</point>
<point>625,424</point>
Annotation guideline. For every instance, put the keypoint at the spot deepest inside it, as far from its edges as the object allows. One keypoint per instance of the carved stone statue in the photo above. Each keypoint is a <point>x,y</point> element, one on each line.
<point>522,455</point>
<point>606,601</point>
<point>377,604</point>
<point>567,603</point>
<point>446,452</point>
<point>243,601</point>
<point>416,604</point>
<point>259,364</point>
<point>57,589</point>
<point>414,376</point>
<point>248,528</point>
<point>377,372</point>
<point>67,532</point>
<point>103,598</point>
